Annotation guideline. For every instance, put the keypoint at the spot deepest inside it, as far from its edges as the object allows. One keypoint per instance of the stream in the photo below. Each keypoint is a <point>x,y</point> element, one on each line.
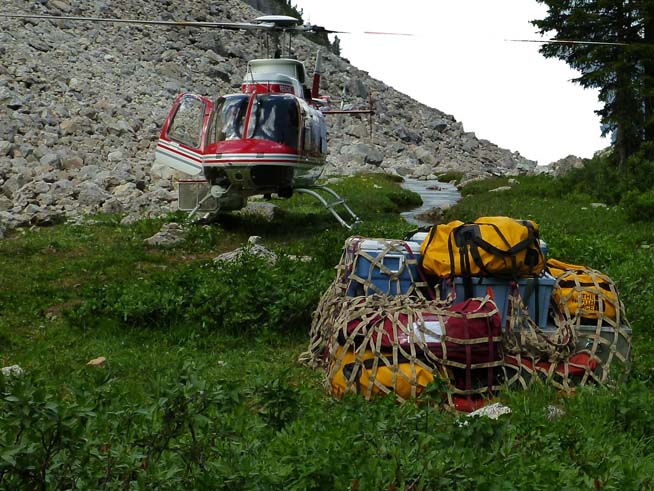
<point>434,194</point>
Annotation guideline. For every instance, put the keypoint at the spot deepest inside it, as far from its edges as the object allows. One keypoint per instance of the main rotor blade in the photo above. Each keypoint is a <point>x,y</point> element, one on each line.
<point>318,29</point>
<point>566,41</point>
<point>263,25</point>
<point>170,23</point>
<point>388,33</point>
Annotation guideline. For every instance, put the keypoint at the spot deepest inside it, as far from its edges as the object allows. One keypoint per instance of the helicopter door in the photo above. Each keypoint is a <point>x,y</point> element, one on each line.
<point>181,145</point>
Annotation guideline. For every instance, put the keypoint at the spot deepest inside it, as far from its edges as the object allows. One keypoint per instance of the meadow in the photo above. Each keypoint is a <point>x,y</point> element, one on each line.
<point>202,389</point>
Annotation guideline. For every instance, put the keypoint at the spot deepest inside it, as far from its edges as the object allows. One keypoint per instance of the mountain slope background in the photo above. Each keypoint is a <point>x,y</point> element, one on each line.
<point>82,104</point>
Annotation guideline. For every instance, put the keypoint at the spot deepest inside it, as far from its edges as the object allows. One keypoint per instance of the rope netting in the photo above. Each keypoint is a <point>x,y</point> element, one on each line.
<point>590,337</point>
<point>354,277</point>
<point>392,260</point>
<point>380,344</point>
<point>371,342</point>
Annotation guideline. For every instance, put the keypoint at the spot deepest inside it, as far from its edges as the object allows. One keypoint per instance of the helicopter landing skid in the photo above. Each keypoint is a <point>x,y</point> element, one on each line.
<point>338,200</point>
<point>203,218</point>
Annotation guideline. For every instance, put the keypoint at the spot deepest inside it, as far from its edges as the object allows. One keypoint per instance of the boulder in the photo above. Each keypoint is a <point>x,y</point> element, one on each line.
<point>266,211</point>
<point>566,164</point>
<point>170,234</point>
<point>363,152</point>
<point>253,248</point>
<point>92,195</point>
<point>12,371</point>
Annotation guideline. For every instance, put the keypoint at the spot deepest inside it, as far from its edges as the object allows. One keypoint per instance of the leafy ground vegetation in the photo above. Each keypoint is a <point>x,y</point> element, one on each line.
<point>202,390</point>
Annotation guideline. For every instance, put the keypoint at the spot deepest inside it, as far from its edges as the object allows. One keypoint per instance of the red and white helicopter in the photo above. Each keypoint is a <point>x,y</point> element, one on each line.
<point>270,137</point>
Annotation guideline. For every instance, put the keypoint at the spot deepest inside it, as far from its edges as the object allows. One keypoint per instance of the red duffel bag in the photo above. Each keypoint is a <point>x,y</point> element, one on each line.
<point>465,338</point>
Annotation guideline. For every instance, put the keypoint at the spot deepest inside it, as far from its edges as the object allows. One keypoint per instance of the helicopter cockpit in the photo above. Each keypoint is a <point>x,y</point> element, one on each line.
<point>278,118</point>
<point>275,118</point>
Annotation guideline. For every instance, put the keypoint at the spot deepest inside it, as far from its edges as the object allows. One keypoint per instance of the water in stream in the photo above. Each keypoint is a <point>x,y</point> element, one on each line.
<point>434,194</point>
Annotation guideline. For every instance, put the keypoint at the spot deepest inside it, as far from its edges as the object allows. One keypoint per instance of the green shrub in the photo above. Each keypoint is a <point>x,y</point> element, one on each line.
<point>639,206</point>
<point>244,296</point>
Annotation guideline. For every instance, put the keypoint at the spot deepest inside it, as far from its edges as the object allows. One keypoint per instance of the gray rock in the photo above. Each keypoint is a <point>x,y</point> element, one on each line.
<point>5,148</point>
<point>126,190</point>
<point>12,371</point>
<point>5,203</point>
<point>161,194</point>
<point>115,156</point>
<point>500,189</point>
<point>76,84</point>
<point>63,188</point>
<point>407,135</point>
<point>92,195</point>
<point>439,125</point>
<point>88,172</point>
<point>566,164</point>
<point>131,218</point>
<point>112,205</point>
<point>71,162</point>
<point>59,5</point>
<point>169,235</point>
<point>252,248</point>
<point>49,159</point>
<point>74,125</point>
<point>363,152</point>
<point>267,211</point>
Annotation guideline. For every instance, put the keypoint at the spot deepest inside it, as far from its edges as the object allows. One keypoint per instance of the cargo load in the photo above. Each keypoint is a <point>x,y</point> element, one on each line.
<point>379,330</point>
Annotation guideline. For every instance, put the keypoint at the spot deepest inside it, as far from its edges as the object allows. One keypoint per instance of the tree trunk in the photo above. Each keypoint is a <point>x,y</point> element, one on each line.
<point>648,67</point>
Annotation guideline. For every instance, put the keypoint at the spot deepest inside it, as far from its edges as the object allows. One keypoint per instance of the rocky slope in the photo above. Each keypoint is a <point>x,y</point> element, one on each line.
<point>81,106</point>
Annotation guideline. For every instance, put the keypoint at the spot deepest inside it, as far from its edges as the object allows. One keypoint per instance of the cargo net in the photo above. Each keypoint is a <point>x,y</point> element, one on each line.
<point>377,345</point>
<point>373,343</point>
<point>349,284</point>
<point>393,261</point>
<point>590,341</point>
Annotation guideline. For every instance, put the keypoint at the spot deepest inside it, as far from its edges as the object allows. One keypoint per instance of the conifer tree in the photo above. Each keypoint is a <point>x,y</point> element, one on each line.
<point>623,74</point>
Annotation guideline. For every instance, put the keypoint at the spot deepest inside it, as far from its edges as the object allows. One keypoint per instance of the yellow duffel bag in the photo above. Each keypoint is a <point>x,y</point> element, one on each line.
<point>490,246</point>
<point>360,374</point>
<point>583,292</point>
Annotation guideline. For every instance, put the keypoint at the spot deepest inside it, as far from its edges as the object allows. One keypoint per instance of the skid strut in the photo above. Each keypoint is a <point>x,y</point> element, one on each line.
<point>338,200</point>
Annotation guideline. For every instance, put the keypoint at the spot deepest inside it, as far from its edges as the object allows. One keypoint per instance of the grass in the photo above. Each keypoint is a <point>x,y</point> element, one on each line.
<point>202,390</point>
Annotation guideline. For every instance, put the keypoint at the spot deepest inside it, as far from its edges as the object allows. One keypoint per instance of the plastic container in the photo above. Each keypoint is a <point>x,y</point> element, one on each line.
<point>401,275</point>
<point>535,293</point>
<point>419,237</point>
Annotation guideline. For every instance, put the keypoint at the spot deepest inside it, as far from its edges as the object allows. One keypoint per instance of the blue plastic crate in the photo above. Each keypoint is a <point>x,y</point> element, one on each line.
<point>402,277</point>
<point>501,289</point>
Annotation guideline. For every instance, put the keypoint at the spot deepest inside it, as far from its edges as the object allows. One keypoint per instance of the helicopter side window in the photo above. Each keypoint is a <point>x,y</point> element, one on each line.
<point>229,119</point>
<point>277,118</point>
<point>316,134</point>
<point>186,125</point>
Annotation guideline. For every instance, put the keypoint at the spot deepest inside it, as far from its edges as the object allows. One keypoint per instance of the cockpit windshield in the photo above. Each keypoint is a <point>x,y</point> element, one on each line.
<point>276,118</point>
<point>229,119</point>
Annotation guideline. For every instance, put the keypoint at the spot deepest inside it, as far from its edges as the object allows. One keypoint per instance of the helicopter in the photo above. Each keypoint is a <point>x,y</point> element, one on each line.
<point>268,138</point>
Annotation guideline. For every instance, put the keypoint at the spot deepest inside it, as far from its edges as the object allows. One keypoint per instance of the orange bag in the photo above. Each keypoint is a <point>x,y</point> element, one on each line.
<point>580,291</point>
